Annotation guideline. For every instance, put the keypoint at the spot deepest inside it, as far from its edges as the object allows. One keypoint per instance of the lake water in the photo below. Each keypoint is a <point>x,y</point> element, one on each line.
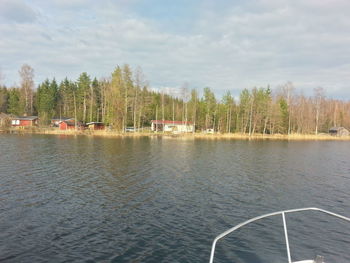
<point>84,199</point>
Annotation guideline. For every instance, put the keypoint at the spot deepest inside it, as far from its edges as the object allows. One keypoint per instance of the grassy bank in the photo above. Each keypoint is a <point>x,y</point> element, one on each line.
<point>233,136</point>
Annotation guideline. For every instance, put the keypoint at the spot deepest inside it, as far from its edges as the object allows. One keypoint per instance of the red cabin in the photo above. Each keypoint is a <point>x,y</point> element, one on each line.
<point>25,121</point>
<point>56,121</point>
<point>66,125</point>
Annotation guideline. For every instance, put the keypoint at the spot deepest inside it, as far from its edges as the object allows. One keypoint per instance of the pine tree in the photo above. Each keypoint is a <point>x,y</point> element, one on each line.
<point>3,99</point>
<point>47,95</point>
<point>14,101</point>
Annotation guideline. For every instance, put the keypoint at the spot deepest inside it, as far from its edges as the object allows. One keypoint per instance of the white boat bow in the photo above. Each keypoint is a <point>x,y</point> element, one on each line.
<point>318,259</point>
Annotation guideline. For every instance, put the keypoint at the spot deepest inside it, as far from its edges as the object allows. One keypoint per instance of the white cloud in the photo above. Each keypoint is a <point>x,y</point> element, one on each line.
<point>16,11</point>
<point>253,44</point>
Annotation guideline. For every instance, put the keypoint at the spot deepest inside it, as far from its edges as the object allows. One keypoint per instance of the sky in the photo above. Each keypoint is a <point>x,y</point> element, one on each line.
<point>224,45</point>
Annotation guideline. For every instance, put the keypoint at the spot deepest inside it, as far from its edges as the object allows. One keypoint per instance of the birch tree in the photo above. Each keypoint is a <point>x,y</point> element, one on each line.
<point>318,97</point>
<point>27,85</point>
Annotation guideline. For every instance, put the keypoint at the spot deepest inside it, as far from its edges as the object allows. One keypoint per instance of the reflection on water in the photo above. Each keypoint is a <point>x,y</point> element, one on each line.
<point>66,198</point>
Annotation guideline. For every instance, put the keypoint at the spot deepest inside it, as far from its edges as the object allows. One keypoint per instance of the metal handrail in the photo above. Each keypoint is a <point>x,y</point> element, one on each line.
<point>268,215</point>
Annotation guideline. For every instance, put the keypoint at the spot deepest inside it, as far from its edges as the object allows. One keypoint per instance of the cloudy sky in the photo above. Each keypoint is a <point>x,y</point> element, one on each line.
<point>226,45</point>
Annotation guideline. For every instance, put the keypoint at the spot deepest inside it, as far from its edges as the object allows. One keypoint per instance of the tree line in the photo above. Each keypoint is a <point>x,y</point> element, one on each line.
<point>124,99</point>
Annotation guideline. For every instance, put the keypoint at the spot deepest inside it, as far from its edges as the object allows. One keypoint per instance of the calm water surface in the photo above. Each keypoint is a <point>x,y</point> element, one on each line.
<point>83,199</point>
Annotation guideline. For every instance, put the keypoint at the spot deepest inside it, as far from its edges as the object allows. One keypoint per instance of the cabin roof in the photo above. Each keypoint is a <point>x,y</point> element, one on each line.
<point>69,122</point>
<point>26,118</point>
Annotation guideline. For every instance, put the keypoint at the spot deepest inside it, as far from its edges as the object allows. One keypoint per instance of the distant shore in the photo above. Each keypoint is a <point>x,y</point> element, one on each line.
<point>233,136</point>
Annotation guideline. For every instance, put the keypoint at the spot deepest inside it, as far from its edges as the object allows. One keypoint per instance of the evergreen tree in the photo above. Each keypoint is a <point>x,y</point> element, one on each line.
<point>47,95</point>
<point>95,101</point>
<point>284,115</point>
<point>14,106</point>
<point>3,99</point>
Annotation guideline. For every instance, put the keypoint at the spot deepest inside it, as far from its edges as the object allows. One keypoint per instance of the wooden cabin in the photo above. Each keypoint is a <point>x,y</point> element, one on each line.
<point>56,121</point>
<point>26,121</point>
<point>339,131</point>
<point>95,126</point>
<point>67,125</point>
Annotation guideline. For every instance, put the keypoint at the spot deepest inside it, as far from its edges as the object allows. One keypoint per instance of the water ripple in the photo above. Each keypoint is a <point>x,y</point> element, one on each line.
<point>73,199</point>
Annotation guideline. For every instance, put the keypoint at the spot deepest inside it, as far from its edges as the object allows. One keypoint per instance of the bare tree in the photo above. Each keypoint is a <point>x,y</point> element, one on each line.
<point>163,109</point>
<point>140,82</point>
<point>251,115</point>
<point>75,111</point>
<point>184,93</point>
<point>27,85</point>
<point>91,101</point>
<point>194,113</point>
<point>318,97</point>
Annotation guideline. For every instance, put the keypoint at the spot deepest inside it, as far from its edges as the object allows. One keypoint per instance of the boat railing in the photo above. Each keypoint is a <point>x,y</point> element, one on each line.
<point>283,213</point>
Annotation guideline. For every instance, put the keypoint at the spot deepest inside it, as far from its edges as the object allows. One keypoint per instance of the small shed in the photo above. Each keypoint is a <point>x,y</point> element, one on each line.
<point>24,121</point>
<point>339,131</point>
<point>95,125</point>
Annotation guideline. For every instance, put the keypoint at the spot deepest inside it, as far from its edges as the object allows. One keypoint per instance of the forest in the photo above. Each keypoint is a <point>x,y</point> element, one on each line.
<point>125,99</point>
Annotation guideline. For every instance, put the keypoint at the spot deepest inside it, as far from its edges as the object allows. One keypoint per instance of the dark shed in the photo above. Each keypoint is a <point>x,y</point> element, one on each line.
<point>95,125</point>
<point>339,131</point>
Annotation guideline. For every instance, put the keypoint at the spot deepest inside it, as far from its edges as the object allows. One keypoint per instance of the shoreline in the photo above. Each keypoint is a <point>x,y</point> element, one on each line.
<point>216,136</point>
